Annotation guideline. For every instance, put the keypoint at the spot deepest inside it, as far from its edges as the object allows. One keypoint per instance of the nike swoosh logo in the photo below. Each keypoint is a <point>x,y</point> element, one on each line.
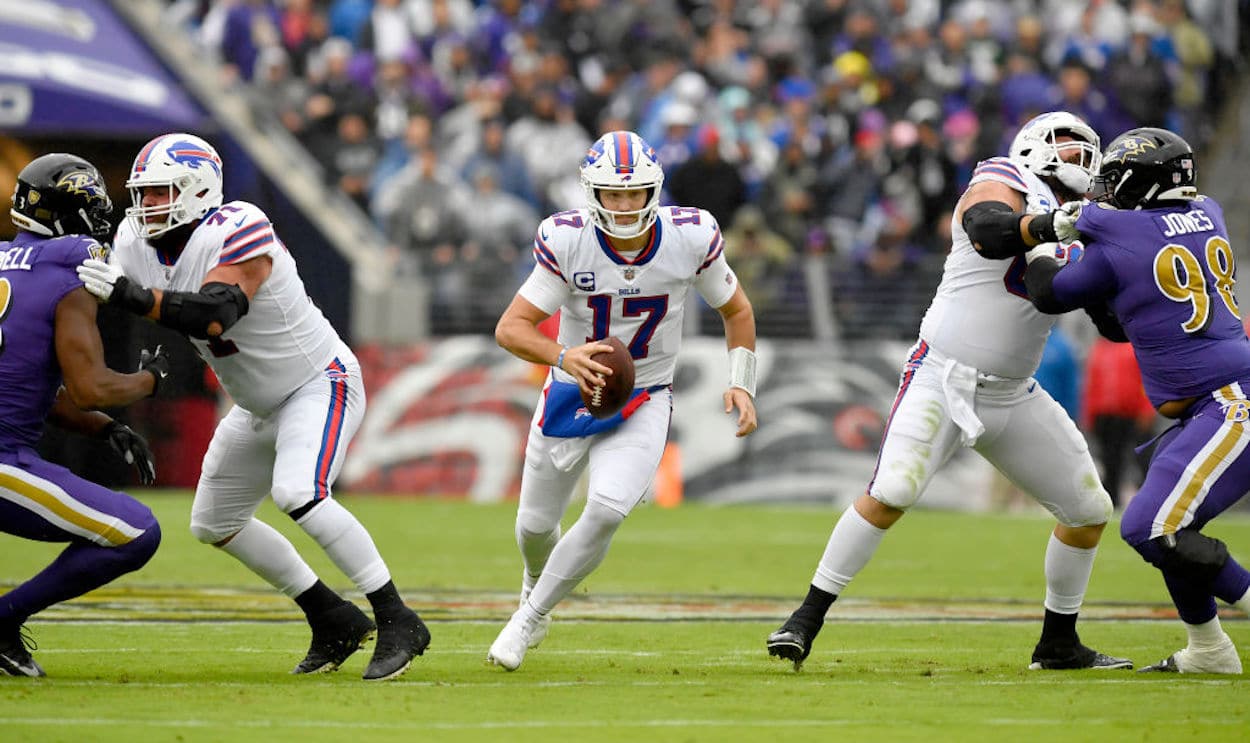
<point>1032,386</point>
<point>241,221</point>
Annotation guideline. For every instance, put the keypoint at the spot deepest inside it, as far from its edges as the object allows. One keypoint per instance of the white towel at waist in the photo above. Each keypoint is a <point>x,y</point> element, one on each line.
<point>959,384</point>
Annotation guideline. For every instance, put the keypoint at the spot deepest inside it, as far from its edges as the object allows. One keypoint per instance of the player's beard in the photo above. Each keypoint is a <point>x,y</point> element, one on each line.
<point>172,242</point>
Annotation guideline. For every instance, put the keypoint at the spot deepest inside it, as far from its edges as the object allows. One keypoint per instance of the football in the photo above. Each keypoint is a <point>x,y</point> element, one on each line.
<point>608,400</point>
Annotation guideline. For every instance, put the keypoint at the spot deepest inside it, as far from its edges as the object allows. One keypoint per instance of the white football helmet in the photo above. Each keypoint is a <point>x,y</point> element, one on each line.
<point>622,161</point>
<point>185,164</point>
<point>1035,147</point>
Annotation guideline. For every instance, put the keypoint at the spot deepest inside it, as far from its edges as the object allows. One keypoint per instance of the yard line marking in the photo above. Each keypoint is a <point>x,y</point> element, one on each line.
<point>62,722</point>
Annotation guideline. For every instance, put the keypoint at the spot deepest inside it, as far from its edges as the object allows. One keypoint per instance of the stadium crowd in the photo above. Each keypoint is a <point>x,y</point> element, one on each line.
<point>830,138</point>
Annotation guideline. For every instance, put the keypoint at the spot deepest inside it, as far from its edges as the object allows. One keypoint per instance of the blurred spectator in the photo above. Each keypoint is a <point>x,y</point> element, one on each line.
<point>707,180</point>
<point>761,258</point>
<point>1138,76</point>
<point>388,34</point>
<point>789,196</point>
<point>354,158</point>
<point>1076,94</point>
<point>881,290</point>
<point>249,27</point>
<point>278,92</point>
<point>852,183</point>
<point>1117,415</point>
<point>499,230</point>
<point>334,93</point>
<point>426,224</point>
<point>551,144</point>
<point>1195,55</point>
<point>928,166</point>
<point>510,173</point>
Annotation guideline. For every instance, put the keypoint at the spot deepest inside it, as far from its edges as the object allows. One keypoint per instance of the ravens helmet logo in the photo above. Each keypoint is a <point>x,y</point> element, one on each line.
<point>1129,147</point>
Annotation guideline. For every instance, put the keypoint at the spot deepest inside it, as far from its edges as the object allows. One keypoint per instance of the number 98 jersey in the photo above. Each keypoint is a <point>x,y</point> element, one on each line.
<point>638,297</point>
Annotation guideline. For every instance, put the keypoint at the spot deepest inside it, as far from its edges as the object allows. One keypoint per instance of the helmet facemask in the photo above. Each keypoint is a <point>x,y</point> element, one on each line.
<point>1039,149</point>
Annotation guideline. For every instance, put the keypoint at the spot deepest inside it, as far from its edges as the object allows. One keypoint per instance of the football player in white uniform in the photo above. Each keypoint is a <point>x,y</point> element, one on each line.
<point>620,267</point>
<point>968,382</point>
<point>218,273</point>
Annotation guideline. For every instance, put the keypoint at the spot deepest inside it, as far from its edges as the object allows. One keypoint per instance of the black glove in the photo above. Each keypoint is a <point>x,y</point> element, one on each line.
<point>156,362</point>
<point>132,447</point>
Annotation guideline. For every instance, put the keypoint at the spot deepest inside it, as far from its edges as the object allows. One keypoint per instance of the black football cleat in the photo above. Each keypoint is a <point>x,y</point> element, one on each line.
<point>400,638</point>
<point>336,634</point>
<point>793,641</point>
<point>15,657</point>
<point>1069,656</point>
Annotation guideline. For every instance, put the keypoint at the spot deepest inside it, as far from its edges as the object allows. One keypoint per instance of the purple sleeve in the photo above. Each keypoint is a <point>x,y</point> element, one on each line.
<point>1089,280</point>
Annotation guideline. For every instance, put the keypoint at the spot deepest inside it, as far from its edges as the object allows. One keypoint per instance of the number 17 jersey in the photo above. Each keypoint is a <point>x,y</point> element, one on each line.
<point>639,298</point>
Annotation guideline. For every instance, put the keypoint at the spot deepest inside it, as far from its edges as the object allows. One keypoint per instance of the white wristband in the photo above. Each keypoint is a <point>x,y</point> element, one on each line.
<point>742,369</point>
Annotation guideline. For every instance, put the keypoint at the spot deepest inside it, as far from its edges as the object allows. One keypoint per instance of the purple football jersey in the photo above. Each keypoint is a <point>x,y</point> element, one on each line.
<point>35,273</point>
<point>1168,276</point>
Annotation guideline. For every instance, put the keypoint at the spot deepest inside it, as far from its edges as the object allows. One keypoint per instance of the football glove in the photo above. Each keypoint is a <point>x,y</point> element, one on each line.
<point>133,448</point>
<point>1065,222</point>
<point>156,362</point>
<point>108,284</point>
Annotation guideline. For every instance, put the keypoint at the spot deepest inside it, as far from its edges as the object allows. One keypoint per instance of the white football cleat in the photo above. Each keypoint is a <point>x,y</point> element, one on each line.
<point>508,649</point>
<point>1222,658</point>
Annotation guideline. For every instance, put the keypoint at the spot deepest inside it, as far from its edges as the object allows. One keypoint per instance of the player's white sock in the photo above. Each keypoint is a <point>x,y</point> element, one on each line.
<point>1207,635</point>
<point>575,556</point>
<point>1067,575</point>
<point>348,544</point>
<point>267,553</point>
<point>851,545</point>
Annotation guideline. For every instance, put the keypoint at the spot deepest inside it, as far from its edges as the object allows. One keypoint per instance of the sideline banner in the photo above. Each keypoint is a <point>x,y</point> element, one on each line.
<point>450,417</point>
<point>74,67</point>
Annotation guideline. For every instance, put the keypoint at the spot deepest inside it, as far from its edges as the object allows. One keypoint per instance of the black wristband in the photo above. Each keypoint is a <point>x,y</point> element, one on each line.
<point>132,297</point>
<point>1042,228</point>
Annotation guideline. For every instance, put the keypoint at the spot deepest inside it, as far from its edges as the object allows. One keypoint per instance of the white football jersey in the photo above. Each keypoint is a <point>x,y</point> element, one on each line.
<point>281,343</point>
<point>981,315</point>
<point>638,299</point>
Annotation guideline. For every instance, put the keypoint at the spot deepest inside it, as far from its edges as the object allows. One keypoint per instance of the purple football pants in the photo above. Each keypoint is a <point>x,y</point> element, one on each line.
<point>109,533</point>
<point>1200,468</point>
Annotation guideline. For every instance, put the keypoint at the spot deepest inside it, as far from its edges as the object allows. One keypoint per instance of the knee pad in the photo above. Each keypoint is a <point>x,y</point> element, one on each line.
<point>212,534</point>
<point>1191,554</point>
<point>895,490</point>
<point>604,519</point>
<point>295,502</point>
<point>1093,509</point>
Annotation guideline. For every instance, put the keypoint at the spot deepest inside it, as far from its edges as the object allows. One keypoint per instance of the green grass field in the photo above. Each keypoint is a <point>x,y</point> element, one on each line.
<point>665,642</point>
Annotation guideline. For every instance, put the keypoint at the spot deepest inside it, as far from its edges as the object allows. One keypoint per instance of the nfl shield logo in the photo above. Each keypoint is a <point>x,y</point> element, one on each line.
<point>629,272</point>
